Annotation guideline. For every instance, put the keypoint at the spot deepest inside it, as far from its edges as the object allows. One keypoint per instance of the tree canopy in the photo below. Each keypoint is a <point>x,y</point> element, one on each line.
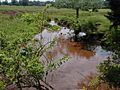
<point>14,2</point>
<point>25,3</point>
<point>111,67</point>
<point>114,15</point>
<point>68,3</point>
<point>79,4</point>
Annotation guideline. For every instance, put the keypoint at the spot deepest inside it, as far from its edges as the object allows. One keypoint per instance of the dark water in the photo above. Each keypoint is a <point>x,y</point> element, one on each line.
<point>83,59</point>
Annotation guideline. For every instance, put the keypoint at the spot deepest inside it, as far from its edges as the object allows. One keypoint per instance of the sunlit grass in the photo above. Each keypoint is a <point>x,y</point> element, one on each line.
<point>14,27</point>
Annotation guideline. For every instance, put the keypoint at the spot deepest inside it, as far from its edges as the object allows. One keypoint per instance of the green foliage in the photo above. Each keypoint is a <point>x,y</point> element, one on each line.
<point>110,69</point>
<point>114,15</point>
<point>57,63</point>
<point>111,40</point>
<point>82,4</point>
<point>29,18</point>
<point>68,3</point>
<point>19,54</point>
<point>94,82</point>
<point>3,42</point>
<point>19,63</point>
<point>87,26</point>
<point>2,85</point>
<point>53,28</point>
<point>36,19</point>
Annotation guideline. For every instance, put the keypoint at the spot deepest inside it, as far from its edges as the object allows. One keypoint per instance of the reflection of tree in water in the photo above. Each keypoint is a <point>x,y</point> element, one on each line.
<point>65,47</point>
<point>73,49</point>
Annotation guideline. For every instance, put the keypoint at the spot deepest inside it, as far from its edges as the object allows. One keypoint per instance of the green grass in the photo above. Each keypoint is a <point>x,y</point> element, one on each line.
<point>15,29</point>
<point>21,8</point>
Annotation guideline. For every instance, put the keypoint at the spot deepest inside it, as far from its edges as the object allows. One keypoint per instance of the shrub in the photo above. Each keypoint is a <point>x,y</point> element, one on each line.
<point>2,85</point>
<point>110,73</point>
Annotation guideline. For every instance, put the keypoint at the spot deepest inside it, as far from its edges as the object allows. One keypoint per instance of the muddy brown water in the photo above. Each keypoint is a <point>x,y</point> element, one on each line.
<point>83,59</point>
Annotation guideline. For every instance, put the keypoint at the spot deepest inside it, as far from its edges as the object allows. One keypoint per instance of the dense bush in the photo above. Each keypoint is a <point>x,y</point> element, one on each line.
<point>17,61</point>
<point>111,41</point>
<point>110,69</point>
<point>114,15</point>
<point>110,73</point>
<point>3,42</point>
<point>2,85</point>
<point>20,53</point>
<point>90,27</point>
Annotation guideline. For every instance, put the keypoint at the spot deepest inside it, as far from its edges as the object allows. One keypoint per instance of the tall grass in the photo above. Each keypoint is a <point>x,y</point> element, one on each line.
<point>15,28</point>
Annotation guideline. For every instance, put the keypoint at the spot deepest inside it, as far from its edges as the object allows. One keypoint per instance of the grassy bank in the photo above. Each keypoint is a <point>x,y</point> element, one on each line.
<point>14,28</point>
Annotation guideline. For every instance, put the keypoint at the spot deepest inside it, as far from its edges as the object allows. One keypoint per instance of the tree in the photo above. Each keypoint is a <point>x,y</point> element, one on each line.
<point>111,67</point>
<point>0,2</point>
<point>106,4</point>
<point>76,4</point>
<point>14,2</point>
<point>24,2</point>
<point>79,4</point>
<point>92,4</point>
<point>114,15</point>
<point>5,2</point>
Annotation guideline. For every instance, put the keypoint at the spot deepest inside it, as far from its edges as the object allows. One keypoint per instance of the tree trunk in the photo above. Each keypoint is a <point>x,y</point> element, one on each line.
<point>77,12</point>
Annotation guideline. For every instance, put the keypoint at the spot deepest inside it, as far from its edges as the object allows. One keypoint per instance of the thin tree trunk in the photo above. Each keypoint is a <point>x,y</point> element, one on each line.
<point>77,12</point>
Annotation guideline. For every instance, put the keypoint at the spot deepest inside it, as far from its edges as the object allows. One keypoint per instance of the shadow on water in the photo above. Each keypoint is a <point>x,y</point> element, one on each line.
<point>83,58</point>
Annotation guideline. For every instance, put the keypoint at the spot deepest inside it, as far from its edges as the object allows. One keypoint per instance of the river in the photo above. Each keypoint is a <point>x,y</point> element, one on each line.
<point>83,59</point>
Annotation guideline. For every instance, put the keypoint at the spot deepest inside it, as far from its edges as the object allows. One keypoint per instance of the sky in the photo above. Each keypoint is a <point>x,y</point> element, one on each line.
<point>33,0</point>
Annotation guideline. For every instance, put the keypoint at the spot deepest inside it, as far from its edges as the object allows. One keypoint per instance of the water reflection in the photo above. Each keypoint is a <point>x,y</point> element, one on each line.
<point>66,47</point>
<point>83,58</point>
<point>73,49</point>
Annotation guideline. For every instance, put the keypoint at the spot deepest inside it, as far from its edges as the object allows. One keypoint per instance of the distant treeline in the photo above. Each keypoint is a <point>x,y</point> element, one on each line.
<point>103,4</point>
<point>25,3</point>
